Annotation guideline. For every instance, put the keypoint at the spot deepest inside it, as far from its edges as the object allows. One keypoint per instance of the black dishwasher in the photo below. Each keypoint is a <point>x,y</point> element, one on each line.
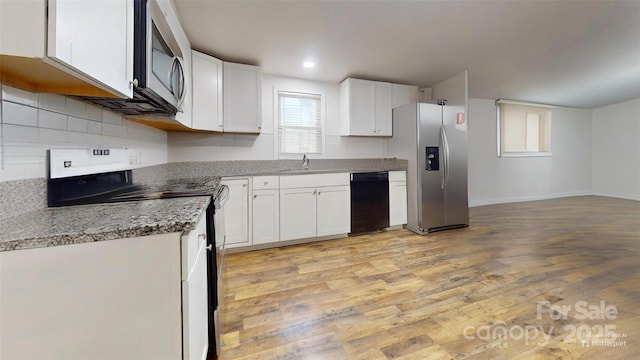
<point>369,202</point>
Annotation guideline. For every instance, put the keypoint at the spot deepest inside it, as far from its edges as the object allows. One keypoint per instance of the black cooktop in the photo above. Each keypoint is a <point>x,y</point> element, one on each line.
<point>118,187</point>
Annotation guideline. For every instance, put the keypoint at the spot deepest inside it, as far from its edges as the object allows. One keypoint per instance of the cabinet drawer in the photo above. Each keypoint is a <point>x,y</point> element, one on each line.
<point>265,183</point>
<point>314,180</point>
<point>397,176</point>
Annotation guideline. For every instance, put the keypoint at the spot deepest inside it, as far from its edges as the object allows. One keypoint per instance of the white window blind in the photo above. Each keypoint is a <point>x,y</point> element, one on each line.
<point>524,129</point>
<point>300,126</point>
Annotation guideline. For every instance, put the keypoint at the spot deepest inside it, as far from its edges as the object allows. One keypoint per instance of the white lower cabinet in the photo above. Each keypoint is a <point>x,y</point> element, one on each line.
<point>236,212</point>
<point>314,205</point>
<point>134,298</point>
<point>265,216</point>
<point>195,311</point>
<point>333,210</point>
<point>397,198</point>
<point>297,213</point>
<point>265,210</point>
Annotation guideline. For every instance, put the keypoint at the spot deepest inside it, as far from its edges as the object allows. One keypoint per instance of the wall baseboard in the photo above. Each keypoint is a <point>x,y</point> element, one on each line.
<point>494,201</point>
<point>619,195</point>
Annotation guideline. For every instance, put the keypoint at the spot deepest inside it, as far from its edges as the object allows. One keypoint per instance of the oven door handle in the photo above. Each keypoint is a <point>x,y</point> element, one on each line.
<point>221,196</point>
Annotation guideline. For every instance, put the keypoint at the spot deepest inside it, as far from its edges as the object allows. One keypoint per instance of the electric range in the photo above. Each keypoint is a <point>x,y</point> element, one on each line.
<point>104,175</point>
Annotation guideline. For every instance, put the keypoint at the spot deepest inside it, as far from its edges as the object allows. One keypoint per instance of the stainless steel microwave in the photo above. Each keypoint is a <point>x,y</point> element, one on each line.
<point>158,61</point>
<point>159,84</point>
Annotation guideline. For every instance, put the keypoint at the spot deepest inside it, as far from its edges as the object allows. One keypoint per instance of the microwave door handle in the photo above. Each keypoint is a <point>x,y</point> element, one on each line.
<point>177,82</point>
<point>179,74</point>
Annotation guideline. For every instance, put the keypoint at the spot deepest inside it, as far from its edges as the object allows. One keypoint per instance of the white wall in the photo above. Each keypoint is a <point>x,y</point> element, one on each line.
<point>455,90</point>
<point>509,179</point>
<point>206,147</point>
<point>31,123</point>
<point>616,150</point>
<point>582,140</point>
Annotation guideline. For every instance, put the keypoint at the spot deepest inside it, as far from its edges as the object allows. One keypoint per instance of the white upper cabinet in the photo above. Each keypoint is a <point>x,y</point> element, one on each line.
<point>357,107</point>
<point>242,92</point>
<point>226,96</point>
<point>383,109</point>
<point>365,108</point>
<point>81,38</point>
<point>71,50</point>
<point>207,92</point>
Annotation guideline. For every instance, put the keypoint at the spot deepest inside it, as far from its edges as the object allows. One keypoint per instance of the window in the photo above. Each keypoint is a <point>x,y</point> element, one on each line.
<point>523,129</point>
<point>300,123</point>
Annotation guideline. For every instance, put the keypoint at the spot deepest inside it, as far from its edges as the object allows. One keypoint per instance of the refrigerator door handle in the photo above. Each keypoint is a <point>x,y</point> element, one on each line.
<point>444,160</point>
<point>445,156</point>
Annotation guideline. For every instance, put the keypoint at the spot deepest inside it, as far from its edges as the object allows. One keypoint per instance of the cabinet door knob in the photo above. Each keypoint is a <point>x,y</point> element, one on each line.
<point>255,196</point>
<point>210,247</point>
<point>202,236</point>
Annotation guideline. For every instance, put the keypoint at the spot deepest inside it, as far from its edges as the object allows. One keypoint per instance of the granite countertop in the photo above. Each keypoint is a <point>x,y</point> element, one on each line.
<point>313,172</point>
<point>89,223</point>
<point>264,167</point>
<point>26,222</point>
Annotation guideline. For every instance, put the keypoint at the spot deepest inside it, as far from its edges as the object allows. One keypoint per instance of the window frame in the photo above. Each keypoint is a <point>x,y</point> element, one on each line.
<point>276,122</point>
<point>548,119</point>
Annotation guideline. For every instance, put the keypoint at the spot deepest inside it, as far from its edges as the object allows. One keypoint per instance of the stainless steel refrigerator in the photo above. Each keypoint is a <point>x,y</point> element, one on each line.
<point>433,138</point>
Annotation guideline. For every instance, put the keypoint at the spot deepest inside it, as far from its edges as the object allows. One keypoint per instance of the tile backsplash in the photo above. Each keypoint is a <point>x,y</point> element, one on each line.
<point>31,123</point>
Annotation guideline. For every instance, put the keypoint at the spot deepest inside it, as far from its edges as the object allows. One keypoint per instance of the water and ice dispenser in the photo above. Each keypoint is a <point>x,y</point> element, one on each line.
<point>432,158</point>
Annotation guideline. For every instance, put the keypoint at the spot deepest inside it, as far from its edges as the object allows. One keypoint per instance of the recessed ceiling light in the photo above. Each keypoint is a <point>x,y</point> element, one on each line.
<point>309,64</point>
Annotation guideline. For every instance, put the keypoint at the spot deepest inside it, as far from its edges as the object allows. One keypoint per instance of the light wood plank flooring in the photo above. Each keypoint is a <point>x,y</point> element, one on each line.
<point>537,273</point>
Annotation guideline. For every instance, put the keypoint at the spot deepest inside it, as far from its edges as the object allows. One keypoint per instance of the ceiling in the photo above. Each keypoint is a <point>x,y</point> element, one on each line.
<point>574,53</point>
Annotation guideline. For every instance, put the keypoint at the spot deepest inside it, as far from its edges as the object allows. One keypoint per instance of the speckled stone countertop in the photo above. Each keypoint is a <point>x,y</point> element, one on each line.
<point>26,222</point>
<point>263,167</point>
<point>89,223</point>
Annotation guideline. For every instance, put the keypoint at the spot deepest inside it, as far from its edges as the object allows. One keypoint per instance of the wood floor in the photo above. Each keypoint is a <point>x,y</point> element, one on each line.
<point>536,280</point>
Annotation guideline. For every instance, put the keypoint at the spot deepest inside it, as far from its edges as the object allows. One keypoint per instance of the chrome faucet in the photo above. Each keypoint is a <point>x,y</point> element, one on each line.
<point>305,161</point>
